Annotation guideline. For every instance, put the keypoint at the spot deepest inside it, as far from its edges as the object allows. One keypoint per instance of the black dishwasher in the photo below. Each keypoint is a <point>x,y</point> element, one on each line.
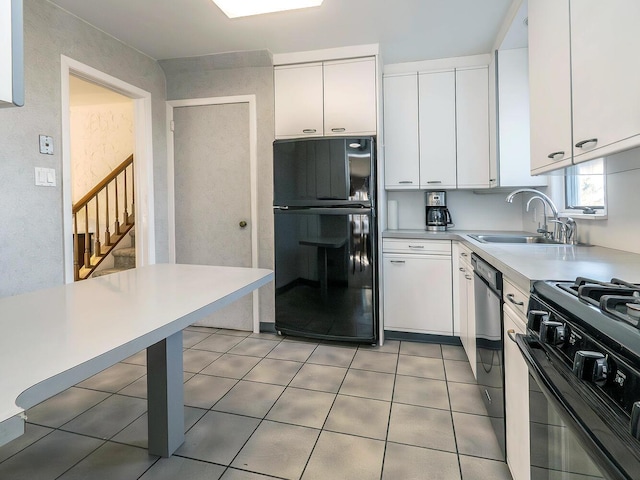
<point>487,286</point>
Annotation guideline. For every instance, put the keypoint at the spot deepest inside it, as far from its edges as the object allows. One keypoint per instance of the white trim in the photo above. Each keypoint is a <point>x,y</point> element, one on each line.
<point>253,177</point>
<point>326,54</point>
<point>143,164</point>
<point>439,64</point>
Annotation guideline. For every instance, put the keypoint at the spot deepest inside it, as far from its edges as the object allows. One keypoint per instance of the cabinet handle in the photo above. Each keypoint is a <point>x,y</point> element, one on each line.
<point>592,142</point>
<point>338,130</point>
<point>511,298</point>
<point>461,269</point>
<point>556,155</point>
<point>434,181</point>
<point>405,181</point>
<point>468,277</point>
<point>463,254</point>
<point>309,130</point>
<point>397,261</point>
<point>512,335</point>
<point>416,246</point>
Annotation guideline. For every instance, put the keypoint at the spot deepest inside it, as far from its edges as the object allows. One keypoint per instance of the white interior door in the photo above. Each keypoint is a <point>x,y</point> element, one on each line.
<point>213,195</point>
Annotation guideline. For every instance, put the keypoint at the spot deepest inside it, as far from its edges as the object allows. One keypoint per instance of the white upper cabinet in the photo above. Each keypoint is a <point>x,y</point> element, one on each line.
<point>402,167</point>
<point>549,85</point>
<point>299,101</point>
<point>472,118</point>
<point>326,98</point>
<point>350,97</point>
<point>437,113</point>
<point>605,48</point>
<point>11,53</point>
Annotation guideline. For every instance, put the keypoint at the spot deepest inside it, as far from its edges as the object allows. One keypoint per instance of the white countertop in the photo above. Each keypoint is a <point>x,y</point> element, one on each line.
<point>52,339</point>
<point>525,263</point>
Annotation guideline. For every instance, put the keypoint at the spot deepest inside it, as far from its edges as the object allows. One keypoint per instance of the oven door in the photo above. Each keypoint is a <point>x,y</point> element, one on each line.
<point>569,438</point>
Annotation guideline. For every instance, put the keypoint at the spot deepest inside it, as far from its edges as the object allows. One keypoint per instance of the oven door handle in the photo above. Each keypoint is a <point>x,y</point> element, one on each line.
<point>552,383</point>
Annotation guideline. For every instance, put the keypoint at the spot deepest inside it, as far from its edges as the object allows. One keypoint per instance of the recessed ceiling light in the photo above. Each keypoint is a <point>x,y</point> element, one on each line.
<point>245,8</point>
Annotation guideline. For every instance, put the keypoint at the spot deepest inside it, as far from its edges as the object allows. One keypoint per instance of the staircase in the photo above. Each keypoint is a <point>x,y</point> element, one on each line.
<point>123,258</point>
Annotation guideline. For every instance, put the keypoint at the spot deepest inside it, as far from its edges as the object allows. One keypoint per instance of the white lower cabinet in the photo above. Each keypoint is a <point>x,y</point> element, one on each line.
<point>516,393</point>
<point>417,286</point>
<point>465,302</point>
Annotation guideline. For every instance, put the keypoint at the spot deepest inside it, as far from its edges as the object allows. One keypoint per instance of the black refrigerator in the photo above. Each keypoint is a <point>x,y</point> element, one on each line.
<point>326,270</point>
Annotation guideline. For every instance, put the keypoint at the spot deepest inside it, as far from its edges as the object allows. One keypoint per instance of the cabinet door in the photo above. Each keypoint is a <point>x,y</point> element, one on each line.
<point>471,319</point>
<point>350,97</point>
<point>472,119</point>
<point>298,101</point>
<point>401,163</point>
<point>516,393</point>
<point>410,304</point>
<point>437,100</point>
<point>549,85</point>
<point>605,45</point>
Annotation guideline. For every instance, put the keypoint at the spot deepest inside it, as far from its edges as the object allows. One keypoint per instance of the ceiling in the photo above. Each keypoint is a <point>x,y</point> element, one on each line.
<point>406,30</point>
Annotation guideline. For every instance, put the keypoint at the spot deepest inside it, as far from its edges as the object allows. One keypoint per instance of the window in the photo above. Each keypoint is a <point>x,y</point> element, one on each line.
<point>585,187</point>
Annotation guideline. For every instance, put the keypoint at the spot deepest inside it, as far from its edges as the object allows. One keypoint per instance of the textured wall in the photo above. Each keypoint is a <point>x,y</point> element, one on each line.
<point>238,74</point>
<point>31,237</point>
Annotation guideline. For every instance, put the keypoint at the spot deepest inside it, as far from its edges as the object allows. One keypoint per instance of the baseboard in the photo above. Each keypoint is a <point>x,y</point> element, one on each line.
<point>422,337</point>
<point>267,327</point>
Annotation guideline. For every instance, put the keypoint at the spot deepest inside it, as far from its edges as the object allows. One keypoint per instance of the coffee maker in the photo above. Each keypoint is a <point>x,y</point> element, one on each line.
<point>436,213</point>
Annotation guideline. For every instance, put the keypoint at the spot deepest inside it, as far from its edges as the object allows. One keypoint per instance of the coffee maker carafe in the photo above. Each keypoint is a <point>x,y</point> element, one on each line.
<point>436,213</point>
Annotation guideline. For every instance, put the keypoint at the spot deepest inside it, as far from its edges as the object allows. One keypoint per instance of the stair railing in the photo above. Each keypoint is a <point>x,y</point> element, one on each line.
<point>84,261</point>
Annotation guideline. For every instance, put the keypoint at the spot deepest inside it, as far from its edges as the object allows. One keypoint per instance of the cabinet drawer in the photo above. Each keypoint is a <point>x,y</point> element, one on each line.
<point>425,247</point>
<point>515,298</point>
<point>465,255</point>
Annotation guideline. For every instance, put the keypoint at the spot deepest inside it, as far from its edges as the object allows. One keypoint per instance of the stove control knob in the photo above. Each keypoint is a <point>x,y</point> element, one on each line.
<point>591,366</point>
<point>552,333</point>
<point>534,318</point>
<point>634,427</point>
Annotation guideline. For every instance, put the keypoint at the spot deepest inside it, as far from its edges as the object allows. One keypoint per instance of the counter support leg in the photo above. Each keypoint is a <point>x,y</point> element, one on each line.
<point>165,396</point>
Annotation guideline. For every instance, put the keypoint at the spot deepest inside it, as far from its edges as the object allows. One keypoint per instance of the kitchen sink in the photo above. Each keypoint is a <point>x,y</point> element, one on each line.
<point>508,238</point>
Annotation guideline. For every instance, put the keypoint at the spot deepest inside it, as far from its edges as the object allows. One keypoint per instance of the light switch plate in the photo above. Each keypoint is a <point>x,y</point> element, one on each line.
<point>46,145</point>
<point>45,177</point>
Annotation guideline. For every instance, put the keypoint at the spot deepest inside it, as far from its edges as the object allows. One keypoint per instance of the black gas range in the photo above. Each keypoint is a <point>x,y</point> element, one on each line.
<point>583,353</point>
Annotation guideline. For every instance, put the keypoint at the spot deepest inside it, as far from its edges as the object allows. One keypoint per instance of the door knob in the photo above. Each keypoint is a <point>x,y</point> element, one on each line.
<point>242,224</point>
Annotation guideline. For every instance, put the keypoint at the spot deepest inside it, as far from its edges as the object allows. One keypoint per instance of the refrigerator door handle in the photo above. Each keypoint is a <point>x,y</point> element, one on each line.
<point>323,211</point>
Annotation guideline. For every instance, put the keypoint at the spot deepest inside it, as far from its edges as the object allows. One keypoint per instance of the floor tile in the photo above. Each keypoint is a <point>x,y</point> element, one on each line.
<point>108,417</point>
<point>277,372</point>
<point>359,416</point>
<point>424,367</point>
<point>459,371</point>
<point>277,449</point>
<point>389,346</point>
<point>353,457</point>
<point>412,463</point>
<point>421,427</point>
<point>139,387</point>
<point>361,383</point>
<point>110,461</point>
<point>139,358</point>
<point>249,398</point>
<point>423,392</point>
<point>421,349</point>
<point>231,366</point>
<point>65,406</point>
<point>49,457</point>
<point>218,343</point>
<point>195,360</point>
<point>465,397</point>
<point>475,436</point>
<point>306,408</point>
<point>375,362</point>
<point>234,333</point>
<point>235,474</point>
<point>203,391</point>
<point>254,347</point>
<point>136,433</point>
<point>196,328</point>
<point>175,467</point>
<point>296,351</point>
<point>474,468</point>
<point>217,437</point>
<point>335,356</point>
<point>323,378</point>
<point>191,337</point>
<point>32,433</point>
<point>454,352</point>
<point>114,378</point>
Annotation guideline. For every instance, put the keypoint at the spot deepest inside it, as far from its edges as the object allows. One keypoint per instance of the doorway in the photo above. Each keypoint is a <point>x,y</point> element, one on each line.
<point>143,165</point>
<point>212,199</point>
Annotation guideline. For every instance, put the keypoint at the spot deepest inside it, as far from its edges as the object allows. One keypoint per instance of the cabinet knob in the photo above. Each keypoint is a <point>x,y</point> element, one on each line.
<point>591,143</point>
<point>242,224</point>
<point>512,335</point>
<point>556,155</point>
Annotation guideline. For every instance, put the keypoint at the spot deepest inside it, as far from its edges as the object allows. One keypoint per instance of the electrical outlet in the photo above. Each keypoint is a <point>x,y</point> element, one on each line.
<point>46,145</point>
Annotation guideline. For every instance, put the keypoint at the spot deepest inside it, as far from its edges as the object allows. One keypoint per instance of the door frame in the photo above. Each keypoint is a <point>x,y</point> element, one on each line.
<point>143,161</point>
<point>253,177</point>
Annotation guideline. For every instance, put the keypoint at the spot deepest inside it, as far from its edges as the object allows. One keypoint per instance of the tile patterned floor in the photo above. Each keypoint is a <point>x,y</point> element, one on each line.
<point>260,407</point>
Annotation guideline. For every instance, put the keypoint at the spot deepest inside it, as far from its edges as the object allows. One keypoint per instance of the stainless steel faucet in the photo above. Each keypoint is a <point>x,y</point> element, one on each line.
<point>544,229</point>
<point>543,198</point>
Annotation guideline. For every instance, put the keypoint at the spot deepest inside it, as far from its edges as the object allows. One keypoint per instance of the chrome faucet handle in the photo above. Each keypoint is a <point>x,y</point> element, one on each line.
<point>572,231</point>
<point>563,234</point>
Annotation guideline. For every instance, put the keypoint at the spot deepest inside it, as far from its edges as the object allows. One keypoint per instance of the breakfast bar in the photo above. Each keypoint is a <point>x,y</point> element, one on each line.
<point>54,338</point>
